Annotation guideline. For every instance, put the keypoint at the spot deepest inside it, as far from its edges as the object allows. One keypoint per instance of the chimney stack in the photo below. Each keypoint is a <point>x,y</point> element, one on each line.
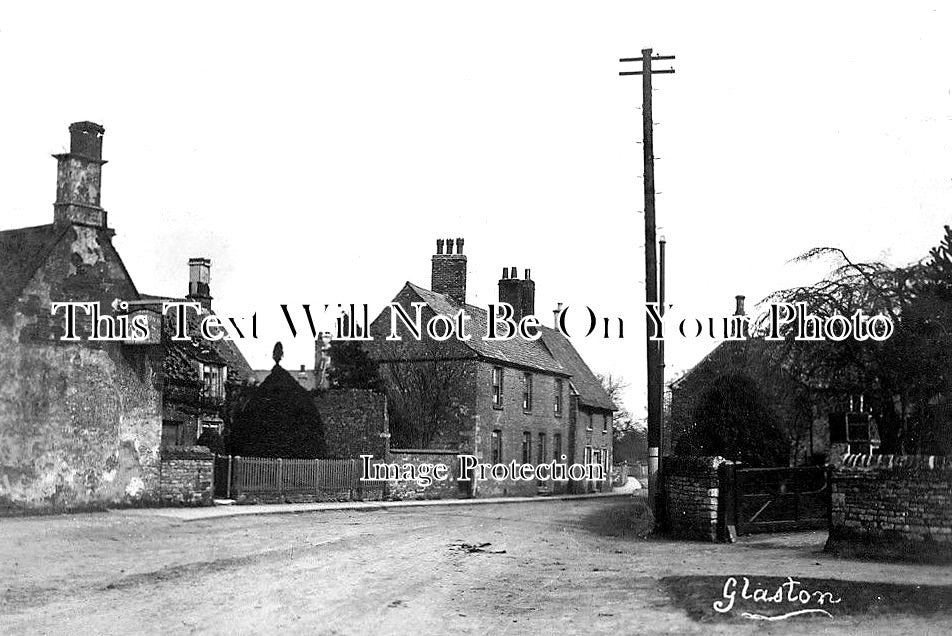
<point>79,177</point>
<point>739,309</point>
<point>448,274</point>
<point>518,293</point>
<point>199,273</point>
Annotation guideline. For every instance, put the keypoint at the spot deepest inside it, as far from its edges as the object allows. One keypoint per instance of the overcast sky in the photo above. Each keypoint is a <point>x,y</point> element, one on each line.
<point>315,151</point>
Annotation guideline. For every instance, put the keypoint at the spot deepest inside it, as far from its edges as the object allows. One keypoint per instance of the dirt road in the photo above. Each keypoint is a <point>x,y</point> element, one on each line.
<point>552,567</point>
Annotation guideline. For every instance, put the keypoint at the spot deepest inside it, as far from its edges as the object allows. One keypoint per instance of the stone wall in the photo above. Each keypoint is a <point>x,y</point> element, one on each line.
<point>355,423</point>
<point>80,423</point>
<point>448,489</point>
<point>690,488</point>
<point>186,476</point>
<point>892,506</point>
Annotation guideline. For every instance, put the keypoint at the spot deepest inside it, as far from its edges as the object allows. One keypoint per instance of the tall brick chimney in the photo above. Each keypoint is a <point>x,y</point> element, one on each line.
<point>79,177</point>
<point>199,273</point>
<point>518,293</point>
<point>449,270</point>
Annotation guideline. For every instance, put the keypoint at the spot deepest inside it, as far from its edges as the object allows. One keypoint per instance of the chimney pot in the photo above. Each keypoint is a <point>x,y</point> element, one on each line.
<point>739,310</point>
<point>448,275</point>
<point>199,277</point>
<point>505,272</point>
<point>79,177</point>
<point>302,368</point>
<point>520,294</point>
<point>85,139</point>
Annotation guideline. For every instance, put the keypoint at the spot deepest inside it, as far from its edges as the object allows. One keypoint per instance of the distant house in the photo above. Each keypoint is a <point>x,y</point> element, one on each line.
<point>753,358</point>
<point>305,377</point>
<point>82,422</point>
<point>514,400</point>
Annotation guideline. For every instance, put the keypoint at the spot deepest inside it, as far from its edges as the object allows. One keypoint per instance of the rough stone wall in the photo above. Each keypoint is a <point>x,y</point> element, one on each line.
<point>448,489</point>
<point>80,423</point>
<point>691,488</point>
<point>186,476</point>
<point>355,423</point>
<point>892,506</point>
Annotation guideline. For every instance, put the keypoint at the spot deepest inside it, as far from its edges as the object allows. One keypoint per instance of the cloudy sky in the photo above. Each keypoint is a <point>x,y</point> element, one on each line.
<point>315,151</point>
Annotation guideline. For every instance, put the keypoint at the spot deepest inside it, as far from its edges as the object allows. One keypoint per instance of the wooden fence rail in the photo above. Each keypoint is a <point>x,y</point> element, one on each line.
<point>236,476</point>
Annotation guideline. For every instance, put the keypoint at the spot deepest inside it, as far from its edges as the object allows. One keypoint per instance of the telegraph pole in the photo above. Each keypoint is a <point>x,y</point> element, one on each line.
<point>661,423</point>
<point>655,380</point>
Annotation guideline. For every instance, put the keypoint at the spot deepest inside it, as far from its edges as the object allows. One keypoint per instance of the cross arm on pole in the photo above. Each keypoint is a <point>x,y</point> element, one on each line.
<point>653,72</point>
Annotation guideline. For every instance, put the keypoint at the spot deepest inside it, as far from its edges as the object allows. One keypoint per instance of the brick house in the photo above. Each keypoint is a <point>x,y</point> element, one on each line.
<point>81,422</point>
<point>522,400</point>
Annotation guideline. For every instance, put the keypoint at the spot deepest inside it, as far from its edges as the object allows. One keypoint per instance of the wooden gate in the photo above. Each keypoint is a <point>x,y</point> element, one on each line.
<point>778,499</point>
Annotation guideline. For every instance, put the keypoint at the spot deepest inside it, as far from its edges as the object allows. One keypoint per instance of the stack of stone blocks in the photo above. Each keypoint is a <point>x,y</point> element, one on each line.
<point>690,493</point>
<point>897,506</point>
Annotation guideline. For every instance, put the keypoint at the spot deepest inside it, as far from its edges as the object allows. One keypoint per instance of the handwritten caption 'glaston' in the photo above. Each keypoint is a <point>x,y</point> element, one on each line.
<point>785,593</point>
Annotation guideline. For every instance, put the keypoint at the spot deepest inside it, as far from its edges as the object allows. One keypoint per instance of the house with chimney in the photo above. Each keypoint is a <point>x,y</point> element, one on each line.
<point>788,398</point>
<point>83,422</point>
<point>199,375</point>
<point>528,401</point>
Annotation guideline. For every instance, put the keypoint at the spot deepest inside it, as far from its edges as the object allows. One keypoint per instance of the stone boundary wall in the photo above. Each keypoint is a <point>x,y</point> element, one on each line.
<point>449,489</point>
<point>355,423</point>
<point>690,490</point>
<point>893,507</point>
<point>186,476</point>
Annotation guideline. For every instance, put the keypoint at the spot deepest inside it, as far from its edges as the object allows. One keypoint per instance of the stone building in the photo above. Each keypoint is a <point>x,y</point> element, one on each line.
<point>81,421</point>
<point>532,401</point>
<point>199,375</point>
<point>760,361</point>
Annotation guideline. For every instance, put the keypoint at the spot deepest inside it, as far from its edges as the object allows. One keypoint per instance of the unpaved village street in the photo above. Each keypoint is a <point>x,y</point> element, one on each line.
<point>550,567</point>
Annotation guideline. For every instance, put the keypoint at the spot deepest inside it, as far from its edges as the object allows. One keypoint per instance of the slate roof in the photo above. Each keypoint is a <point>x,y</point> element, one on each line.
<point>178,352</point>
<point>590,390</point>
<point>553,352</point>
<point>22,252</point>
<point>515,351</point>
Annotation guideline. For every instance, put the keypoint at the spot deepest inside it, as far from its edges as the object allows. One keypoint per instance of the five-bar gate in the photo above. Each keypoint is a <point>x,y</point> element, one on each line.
<point>776,499</point>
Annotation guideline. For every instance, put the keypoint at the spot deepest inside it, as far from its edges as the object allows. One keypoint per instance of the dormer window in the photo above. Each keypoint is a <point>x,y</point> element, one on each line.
<point>213,381</point>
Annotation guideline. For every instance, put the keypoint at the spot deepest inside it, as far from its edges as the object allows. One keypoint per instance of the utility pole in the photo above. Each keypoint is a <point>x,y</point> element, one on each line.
<point>655,381</point>
<point>661,245</point>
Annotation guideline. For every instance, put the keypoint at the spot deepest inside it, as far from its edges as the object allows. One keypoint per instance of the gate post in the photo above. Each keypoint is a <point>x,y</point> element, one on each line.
<point>228,480</point>
<point>726,502</point>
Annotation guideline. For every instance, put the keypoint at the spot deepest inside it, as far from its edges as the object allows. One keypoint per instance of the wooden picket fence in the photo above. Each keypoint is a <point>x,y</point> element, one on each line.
<point>265,476</point>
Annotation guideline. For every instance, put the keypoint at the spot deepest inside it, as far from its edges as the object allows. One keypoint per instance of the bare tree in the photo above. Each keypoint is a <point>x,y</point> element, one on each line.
<point>905,377</point>
<point>426,397</point>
